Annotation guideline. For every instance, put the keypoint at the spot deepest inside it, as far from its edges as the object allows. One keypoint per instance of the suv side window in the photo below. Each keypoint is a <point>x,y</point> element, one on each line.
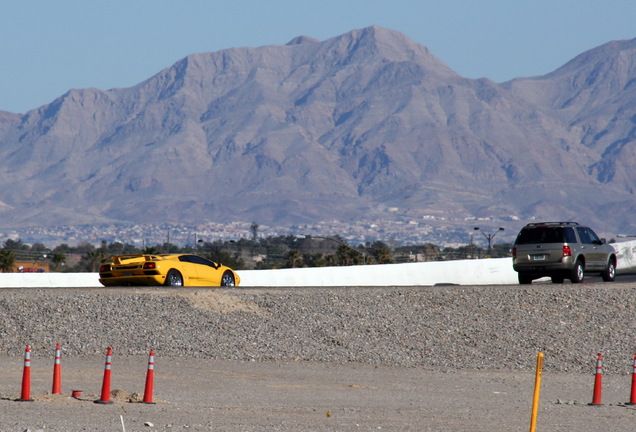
<point>593,237</point>
<point>570,237</point>
<point>584,235</point>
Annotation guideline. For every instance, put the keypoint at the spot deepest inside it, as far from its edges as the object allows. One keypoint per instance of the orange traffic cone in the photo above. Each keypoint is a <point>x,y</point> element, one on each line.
<point>632,399</point>
<point>57,371</point>
<point>25,395</point>
<point>598,382</point>
<point>105,399</point>
<point>150,377</point>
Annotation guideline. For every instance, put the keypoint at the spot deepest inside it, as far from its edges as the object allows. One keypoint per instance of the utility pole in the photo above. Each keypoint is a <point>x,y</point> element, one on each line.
<point>489,237</point>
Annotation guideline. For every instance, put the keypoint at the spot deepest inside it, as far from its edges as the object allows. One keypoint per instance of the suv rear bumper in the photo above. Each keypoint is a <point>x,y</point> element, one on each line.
<point>548,267</point>
<point>545,269</point>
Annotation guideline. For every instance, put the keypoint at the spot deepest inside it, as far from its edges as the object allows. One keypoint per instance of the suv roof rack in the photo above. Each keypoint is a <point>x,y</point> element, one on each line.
<point>550,223</point>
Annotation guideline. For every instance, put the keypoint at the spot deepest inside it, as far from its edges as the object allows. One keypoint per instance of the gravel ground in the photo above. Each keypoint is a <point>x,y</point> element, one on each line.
<point>488,327</point>
<point>343,357</point>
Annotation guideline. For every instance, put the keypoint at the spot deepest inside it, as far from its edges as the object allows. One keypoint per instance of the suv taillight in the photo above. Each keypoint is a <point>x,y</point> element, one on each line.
<point>514,253</point>
<point>567,251</point>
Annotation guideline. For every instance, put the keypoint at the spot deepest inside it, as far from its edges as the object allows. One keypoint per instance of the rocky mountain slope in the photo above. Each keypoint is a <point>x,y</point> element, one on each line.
<point>345,129</point>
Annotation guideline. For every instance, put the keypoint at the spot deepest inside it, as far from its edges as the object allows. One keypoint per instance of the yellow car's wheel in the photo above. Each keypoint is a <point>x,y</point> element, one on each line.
<point>228,279</point>
<point>174,278</point>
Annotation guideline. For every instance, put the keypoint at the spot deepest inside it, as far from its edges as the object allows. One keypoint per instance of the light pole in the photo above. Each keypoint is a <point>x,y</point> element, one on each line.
<point>489,237</point>
<point>197,241</point>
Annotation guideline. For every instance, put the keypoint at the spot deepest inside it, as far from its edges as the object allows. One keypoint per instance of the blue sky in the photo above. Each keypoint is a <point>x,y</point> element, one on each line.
<point>49,47</point>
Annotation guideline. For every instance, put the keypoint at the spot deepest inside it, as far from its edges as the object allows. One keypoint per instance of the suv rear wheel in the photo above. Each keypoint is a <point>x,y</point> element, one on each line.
<point>578,273</point>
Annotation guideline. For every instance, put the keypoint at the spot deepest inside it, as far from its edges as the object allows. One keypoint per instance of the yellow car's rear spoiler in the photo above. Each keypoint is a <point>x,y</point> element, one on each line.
<point>126,259</point>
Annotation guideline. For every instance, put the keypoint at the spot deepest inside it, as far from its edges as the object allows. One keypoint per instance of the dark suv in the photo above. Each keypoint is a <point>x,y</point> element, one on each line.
<point>561,250</point>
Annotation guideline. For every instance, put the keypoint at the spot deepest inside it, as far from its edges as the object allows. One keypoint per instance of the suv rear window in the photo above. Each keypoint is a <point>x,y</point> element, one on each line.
<point>546,235</point>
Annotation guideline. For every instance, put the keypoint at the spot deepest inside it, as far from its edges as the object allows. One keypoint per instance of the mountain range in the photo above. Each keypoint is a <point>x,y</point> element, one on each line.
<point>366,125</point>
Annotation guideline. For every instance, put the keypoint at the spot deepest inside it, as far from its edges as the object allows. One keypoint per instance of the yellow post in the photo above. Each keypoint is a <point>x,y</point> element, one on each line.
<point>537,391</point>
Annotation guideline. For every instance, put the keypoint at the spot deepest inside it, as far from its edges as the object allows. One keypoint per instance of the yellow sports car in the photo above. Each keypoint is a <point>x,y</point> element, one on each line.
<point>170,270</point>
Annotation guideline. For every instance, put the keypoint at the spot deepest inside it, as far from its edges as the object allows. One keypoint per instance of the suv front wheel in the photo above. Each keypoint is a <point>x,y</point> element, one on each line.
<point>609,274</point>
<point>578,273</point>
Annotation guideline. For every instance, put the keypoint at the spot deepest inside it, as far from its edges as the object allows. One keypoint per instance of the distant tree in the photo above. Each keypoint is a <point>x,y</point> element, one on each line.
<point>91,260</point>
<point>501,250</point>
<point>347,256</point>
<point>58,258</point>
<point>381,253</point>
<point>116,248</point>
<point>7,260</point>
<point>130,249</point>
<point>16,245</point>
<point>294,259</point>
<point>425,252</point>
<point>314,260</point>
<point>84,248</point>
<point>150,250</point>
<point>39,248</point>
<point>222,257</point>
<point>63,248</point>
<point>169,248</point>
<point>332,260</point>
<point>119,248</point>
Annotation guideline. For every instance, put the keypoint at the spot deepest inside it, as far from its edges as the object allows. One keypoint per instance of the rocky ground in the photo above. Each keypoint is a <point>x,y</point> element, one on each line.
<point>410,358</point>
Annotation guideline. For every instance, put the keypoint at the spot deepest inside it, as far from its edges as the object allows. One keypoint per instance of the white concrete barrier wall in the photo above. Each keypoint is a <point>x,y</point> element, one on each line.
<point>626,255</point>
<point>477,272</point>
<point>37,280</point>
<point>496,271</point>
